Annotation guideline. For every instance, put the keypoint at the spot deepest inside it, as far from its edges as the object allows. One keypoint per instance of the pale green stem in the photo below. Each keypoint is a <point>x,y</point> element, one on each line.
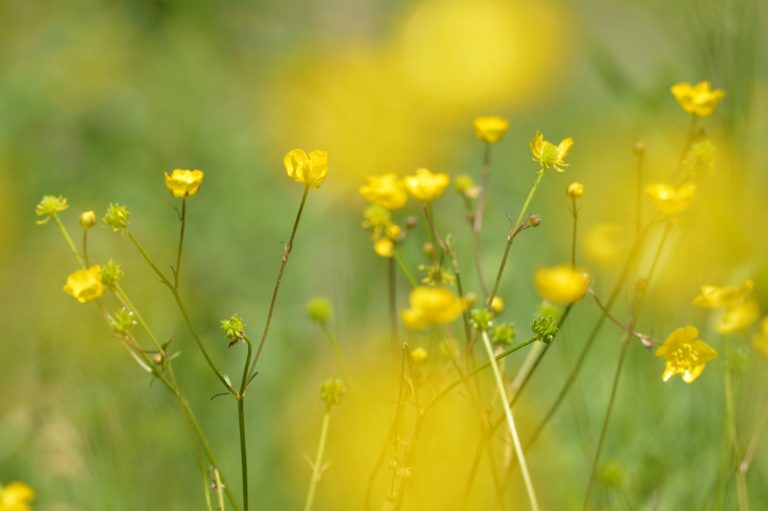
<point>511,422</point>
<point>404,267</point>
<point>219,489</point>
<point>183,221</point>
<point>68,239</point>
<point>317,468</point>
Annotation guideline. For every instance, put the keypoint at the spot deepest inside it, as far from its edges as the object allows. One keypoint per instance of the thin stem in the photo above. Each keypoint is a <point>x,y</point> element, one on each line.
<point>68,239</point>
<point>85,247</point>
<point>753,441</point>
<point>573,237</point>
<point>219,487</point>
<point>392,286</point>
<point>276,290</point>
<point>730,421</point>
<point>317,471</point>
<point>639,192</point>
<point>477,225</point>
<point>333,347</point>
<point>404,267</point>
<point>149,260</point>
<point>241,424</point>
<point>510,422</point>
<point>183,222</point>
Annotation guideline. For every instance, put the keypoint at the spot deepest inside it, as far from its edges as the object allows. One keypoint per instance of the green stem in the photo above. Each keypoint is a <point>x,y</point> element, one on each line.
<point>333,347</point>
<point>730,415</point>
<point>276,290</point>
<point>477,225</point>
<point>317,465</point>
<point>68,239</point>
<point>392,286</point>
<point>149,260</point>
<point>573,237</point>
<point>219,486</point>
<point>183,221</point>
<point>404,267</point>
<point>510,422</point>
<point>241,424</point>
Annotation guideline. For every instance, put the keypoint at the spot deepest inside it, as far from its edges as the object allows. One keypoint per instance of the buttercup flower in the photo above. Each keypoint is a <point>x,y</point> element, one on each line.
<point>16,496</point>
<point>548,154</point>
<point>575,190</point>
<point>561,284</point>
<point>736,318</point>
<point>685,354</point>
<point>760,340</point>
<point>432,306</point>
<point>699,99</point>
<point>490,128</point>
<point>50,205</point>
<point>309,169</point>
<point>85,285</point>
<point>426,186</point>
<point>497,305</point>
<point>87,219</point>
<point>714,297</point>
<point>183,182</point>
<point>386,190</point>
<point>671,200</point>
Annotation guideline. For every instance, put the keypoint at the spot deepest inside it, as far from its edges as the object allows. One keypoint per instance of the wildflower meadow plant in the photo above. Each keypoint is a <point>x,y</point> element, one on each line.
<point>450,330</point>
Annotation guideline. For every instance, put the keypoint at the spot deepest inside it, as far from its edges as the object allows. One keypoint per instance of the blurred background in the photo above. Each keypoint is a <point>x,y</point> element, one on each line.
<point>99,98</point>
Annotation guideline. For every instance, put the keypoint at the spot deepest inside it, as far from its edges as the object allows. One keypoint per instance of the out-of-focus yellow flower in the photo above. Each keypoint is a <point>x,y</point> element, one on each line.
<point>384,247</point>
<point>16,496</point>
<point>549,154</point>
<point>760,340</point>
<point>685,354</point>
<point>87,219</point>
<point>183,182</point>
<point>490,128</point>
<point>386,190</point>
<point>309,169</point>
<point>85,285</point>
<point>575,190</point>
<point>50,205</point>
<point>425,185</point>
<point>497,305</point>
<point>699,99</point>
<point>604,243</point>
<point>671,200</point>
<point>562,284</point>
<point>432,306</point>
<point>737,318</point>
<point>714,297</point>
<point>419,356</point>
<point>466,186</point>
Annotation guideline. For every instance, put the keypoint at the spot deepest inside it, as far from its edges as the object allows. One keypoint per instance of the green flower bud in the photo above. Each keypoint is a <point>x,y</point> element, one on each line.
<point>504,333</point>
<point>234,329</point>
<point>111,273</point>
<point>319,309</point>
<point>117,218</point>
<point>545,328</point>
<point>123,321</point>
<point>481,319</point>
<point>332,391</point>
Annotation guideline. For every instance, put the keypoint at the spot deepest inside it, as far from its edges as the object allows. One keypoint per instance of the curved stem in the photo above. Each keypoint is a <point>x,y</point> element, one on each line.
<point>276,290</point>
<point>511,422</point>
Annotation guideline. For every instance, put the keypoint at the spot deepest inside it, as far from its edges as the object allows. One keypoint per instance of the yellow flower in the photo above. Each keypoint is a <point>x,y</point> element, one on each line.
<point>490,128</point>
<point>308,169</point>
<point>419,356</point>
<point>562,284</point>
<point>87,220</point>
<point>685,354</point>
<point>50,205</point>
<point>671,200</point>
<point>738,317</point>
<point>16,496</point>
<point>714,297</point>
<point>384,247</point>
<point>183,182</point>
<point>760,340</point>
<point>432,306</point>
<point>549,154</point>
<point>575,190</point>
<point>85,285</point>
<point>426,186</point>
<point>497,305</point>
<point>697,99</point>
<point>386,190</point>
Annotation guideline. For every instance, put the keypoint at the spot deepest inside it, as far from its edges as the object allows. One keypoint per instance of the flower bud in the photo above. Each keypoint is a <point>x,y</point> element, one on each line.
<point>234,329</point>
<point>419,356</point>
<point>497,305</point>
<point>545,328</point>
<point>575,190</point>
<point>481,319</point>
<point>332,391</point>
<point>117,217</point>
<point>87,220</point>
<point>319,309</point>
<point>111,273</point>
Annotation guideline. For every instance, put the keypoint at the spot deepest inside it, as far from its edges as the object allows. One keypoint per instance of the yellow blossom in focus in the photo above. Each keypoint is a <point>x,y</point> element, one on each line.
<point>736,318</point>
<point>16,496</point>
<point>432,306</point>
<point>308,169</point>
<point>671,200</point>
<point>50,205</point>
<point>425,185</point>
<point>386,190</point>
<point>714,297</point>
<point>183,182</point>
<point>685,354</point>
<point>497,305</point>
<point>562,284</point>
<point>490,128</point>
<point>549,154</point>
<point>87,219</point>
<point>699,99</point>
<point>575,190</point>
<point>419,356</point>
<point>85,285</point>
<point>760,340</point>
